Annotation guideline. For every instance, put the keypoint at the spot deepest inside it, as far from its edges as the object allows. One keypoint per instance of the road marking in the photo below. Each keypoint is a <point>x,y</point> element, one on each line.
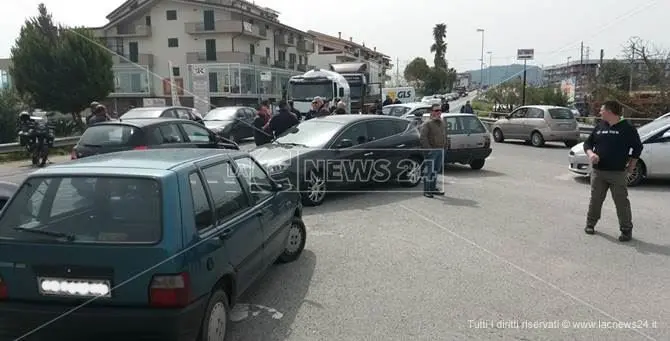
<point>243,311</point>
<point>523,270</point>
<point>565,177</point>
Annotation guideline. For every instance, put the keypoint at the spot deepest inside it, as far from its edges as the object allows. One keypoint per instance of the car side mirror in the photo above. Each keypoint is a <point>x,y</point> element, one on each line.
<point>345,143</point>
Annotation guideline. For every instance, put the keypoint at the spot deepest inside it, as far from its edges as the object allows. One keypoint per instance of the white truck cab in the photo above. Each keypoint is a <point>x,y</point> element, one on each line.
<point>326,84</point>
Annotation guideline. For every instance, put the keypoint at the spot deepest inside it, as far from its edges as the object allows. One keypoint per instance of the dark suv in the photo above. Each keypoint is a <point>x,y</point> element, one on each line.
<point>115,136</point>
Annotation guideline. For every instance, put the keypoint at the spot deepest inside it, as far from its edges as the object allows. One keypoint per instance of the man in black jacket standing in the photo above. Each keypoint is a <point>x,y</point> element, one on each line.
<point>613,148</point>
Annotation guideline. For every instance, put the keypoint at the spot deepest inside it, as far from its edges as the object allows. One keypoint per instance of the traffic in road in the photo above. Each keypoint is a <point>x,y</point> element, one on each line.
<point>504,245</point>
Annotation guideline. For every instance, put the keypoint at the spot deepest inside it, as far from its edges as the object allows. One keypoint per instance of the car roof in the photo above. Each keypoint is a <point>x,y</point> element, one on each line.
<point>544,107</point>
<point>141,122</point>
<point>159,108</point>
<point>140,160</point>
<point>411,105</point>
<point>453,114</point>
<point>346,119</point>
<point>232,107</point>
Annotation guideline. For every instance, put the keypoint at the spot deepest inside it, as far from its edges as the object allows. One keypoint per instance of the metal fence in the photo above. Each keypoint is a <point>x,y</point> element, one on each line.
<point>59,142</point>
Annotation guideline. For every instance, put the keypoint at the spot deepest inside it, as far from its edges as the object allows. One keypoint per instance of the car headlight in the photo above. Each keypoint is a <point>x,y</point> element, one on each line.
<point>276,168</point>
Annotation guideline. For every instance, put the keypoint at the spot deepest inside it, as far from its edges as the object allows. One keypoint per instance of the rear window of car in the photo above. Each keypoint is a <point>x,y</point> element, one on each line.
<point>108,135</point>
<point>472,125</point>
<point>144,113</point>
<point>561,114</point>
<point>100,209</point>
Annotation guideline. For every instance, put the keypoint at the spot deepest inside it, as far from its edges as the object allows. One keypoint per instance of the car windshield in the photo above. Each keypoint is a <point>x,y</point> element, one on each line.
<point>561,114</point>
<point>143,113</point>
<point>652,127</point>
<point>314,133</point>
<point>108,135</point>
<point>96,209</point>
<point>398,111</point>
<point>307,91</point>
<point>221,114</point>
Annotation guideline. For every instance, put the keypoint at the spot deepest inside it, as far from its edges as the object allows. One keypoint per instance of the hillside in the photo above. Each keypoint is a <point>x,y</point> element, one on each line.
<point>502,73</point>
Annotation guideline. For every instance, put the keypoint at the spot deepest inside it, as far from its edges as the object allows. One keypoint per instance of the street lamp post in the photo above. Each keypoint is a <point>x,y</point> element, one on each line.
<point>481,66</point>
<point>489,83</point>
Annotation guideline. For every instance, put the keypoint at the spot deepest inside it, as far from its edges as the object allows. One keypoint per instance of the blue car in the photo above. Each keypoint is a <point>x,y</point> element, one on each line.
<point>156,245</point>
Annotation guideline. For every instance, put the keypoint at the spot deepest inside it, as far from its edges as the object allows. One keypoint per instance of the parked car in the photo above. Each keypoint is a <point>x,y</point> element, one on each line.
<point>234,123</point>
<point>538,124</point>
<point>163,112</point>
<point>340,152</point>
<point>654,161</point>
<point>114,136</point>
<point>7,189</point>
<point>664,116</point>
<point>407,110</point>
<point>469,142</point>
<point>164,241</point>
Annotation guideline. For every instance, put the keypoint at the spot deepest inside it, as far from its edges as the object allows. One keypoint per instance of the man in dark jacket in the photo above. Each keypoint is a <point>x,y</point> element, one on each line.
<point>387,101</point>
<point>99,115</point>
<point>282,121</point>
<point>467,108</point>
<point>295,111</point>
<point>397,101</point>
<point>261,136</point>
<point>613,148</point>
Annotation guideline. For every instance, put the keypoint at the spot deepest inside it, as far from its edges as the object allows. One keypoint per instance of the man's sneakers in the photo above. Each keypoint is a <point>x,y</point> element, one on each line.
<point>626,235</point>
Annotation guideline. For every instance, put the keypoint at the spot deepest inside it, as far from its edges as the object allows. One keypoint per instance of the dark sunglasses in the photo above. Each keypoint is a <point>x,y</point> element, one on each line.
<point>436,110</point>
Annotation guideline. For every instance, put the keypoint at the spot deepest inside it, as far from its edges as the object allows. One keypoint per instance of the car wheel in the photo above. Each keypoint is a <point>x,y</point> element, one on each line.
<point>498,135</point>
<point>536,139</point>
<point>635,178</point>
<point>217,318</point>
<point>315,190</point>
<point>571,143</point>
<point>295,243</point>
<point>477,164</point>
<point>411,175</point>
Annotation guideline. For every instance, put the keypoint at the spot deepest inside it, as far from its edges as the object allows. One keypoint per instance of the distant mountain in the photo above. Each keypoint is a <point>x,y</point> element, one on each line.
<point>503,73</point>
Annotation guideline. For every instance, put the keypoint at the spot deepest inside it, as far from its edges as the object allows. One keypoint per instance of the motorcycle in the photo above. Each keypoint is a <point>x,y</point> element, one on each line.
<point>37,138</point>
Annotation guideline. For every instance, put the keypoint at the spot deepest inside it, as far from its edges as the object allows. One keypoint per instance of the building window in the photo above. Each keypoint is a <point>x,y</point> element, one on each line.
<point>300,60</point>
<point>267,52</point>
<point>147,20</point>
<point>173,42</point>
<point>171,14</point>
<point>175,71</point>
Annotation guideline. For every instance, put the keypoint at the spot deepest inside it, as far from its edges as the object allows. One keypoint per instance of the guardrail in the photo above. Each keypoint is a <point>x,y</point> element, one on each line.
<point>586,124</point>
<point>59,142</point>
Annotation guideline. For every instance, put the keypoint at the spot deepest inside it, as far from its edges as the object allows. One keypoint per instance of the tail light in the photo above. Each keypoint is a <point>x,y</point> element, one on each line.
<point>3,289</point>
<point>141,148</point>
<point>73,154</point>
<point>487,141</point>
<point>170,291</point>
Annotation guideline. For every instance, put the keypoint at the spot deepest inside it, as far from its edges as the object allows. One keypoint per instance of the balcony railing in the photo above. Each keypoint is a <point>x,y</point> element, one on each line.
<point>131,31</point>
<point>282,64</point>
<point>226,57</point>
<point>305,46</point>
<point>227,26</point>
<point>131,82</point>
<point>285,40</point>
<point>144,59</point>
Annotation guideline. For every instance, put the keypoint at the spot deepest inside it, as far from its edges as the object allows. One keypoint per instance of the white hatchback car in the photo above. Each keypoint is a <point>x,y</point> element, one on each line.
<point>654,161</point>
<point>468,139</point>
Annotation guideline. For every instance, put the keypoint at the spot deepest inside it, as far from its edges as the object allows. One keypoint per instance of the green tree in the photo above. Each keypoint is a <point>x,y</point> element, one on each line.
<point>439,47</point>
<point>58,68</point>
<point>416,71</point>
<point>9,113</point>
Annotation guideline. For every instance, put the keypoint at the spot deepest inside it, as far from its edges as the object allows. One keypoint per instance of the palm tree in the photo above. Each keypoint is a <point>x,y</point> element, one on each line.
<point>439,47</point>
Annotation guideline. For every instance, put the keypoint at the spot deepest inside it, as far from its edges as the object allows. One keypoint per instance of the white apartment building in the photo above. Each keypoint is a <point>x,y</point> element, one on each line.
<point>332,50</point>
<point>231,44</point>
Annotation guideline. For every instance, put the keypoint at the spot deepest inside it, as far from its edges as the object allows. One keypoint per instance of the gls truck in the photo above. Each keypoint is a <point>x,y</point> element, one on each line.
<point>364,92</point>
<point>326,84</point>
<point>404,94</point>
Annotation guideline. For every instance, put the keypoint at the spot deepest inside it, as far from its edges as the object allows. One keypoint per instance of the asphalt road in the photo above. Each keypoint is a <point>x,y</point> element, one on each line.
<point>505,244</point>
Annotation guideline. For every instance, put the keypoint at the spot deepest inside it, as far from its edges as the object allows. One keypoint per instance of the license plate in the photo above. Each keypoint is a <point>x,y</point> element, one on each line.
<point>70,287</point>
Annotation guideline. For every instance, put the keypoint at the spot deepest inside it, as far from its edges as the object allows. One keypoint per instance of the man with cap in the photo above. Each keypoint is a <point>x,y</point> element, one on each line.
<point>99,115</point>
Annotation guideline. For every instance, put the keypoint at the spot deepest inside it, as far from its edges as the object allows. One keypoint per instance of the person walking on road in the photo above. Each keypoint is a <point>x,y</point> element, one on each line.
<point>613,148</point>
<point>99,115</point>
<point>283,121</point>
<point>467,108</point>
<point>434,139</point>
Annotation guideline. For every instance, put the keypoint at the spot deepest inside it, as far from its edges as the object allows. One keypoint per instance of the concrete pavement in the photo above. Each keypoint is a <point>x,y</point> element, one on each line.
<point>505,244</point>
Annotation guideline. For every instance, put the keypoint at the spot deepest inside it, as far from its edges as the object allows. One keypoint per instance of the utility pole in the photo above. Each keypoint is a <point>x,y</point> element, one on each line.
<point>581,68</point>
<point>632,62</point>
<point>523,92</point>
<point>397,72</point>
<point>481,65</point>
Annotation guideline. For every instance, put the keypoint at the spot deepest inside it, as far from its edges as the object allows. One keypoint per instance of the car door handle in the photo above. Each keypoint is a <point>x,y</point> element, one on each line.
<point>400,146</point>
<point>226,233</point>
<point>368,154</point>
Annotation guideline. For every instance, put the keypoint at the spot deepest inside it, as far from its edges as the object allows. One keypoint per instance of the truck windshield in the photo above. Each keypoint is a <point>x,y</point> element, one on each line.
<point>307,91</point>
<point>355,90</point>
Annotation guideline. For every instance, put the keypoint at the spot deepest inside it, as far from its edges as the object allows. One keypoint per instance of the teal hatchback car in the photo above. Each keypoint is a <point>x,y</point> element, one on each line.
<point>150,245</point>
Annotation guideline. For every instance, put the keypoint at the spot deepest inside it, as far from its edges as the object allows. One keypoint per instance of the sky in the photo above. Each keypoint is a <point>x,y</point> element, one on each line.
<point>403,29</point>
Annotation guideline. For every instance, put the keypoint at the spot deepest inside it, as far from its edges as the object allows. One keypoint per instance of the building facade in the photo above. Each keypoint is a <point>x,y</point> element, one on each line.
<point>229,51</point>
<point>332,50</point>
<point>5,79</point>
<point>572,77</point>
